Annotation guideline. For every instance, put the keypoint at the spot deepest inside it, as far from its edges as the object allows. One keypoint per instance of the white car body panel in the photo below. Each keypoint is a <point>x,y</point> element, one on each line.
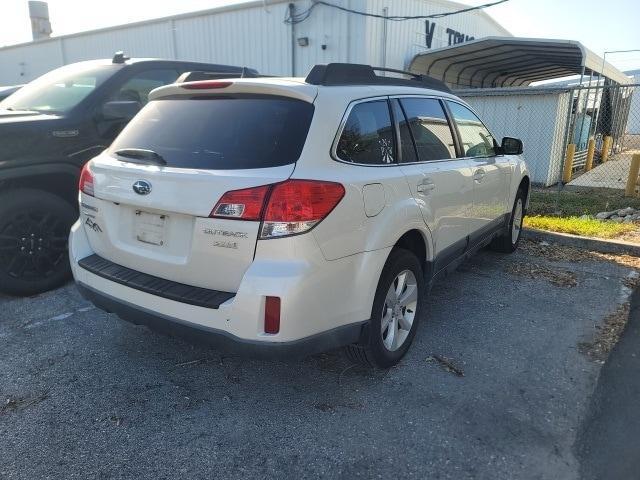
<point>326,278</point>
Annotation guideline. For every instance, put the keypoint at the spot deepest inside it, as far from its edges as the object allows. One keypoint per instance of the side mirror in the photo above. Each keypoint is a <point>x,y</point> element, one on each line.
<point>121,109</point>
<point>511,146</point>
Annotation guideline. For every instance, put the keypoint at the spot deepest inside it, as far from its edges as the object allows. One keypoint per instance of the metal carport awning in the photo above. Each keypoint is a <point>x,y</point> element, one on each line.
<point>512,62</point>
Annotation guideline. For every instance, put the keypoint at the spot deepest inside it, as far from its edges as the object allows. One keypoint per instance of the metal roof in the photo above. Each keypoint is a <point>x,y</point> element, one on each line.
<point>511,62</point>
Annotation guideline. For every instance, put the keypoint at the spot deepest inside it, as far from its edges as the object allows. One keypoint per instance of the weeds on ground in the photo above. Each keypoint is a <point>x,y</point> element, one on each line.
<point>587,227</point>
<point>579,202</point>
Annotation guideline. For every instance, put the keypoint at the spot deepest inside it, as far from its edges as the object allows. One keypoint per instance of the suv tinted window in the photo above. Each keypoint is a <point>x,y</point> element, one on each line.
<point>430,129</point>
<point>406,140</point>
<point>221,132</point>
<point>476,139</point>
<point>367,136</point>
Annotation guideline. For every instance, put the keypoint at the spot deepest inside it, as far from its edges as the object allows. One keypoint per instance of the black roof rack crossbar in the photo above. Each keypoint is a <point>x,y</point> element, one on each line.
<point>197,75</point>
<point>334,74</point>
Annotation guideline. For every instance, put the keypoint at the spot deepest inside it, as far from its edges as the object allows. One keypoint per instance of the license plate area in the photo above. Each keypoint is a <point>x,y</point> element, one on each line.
<point>150,227</point>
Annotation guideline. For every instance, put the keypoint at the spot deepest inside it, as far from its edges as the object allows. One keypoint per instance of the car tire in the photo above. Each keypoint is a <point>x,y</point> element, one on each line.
<point>394,320</point>
<point>34,232</point>
<point>509,240</point>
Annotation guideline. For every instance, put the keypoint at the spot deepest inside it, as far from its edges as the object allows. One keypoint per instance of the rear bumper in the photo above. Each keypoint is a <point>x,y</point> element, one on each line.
<point>324,304</point>
<point>320,342</point>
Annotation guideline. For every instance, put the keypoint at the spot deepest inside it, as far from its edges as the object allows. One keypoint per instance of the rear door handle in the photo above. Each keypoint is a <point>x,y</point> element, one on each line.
<point>479,175</point>
<point>425,186</point>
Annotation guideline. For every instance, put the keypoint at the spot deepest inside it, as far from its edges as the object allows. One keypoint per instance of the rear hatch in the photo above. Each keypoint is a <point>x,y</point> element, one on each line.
<point>155,188</point>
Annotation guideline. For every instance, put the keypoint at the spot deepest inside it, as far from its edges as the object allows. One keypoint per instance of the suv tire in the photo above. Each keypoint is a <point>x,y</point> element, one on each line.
<point>34,232</point>
<point>386,341</point>
<point>509,240</point>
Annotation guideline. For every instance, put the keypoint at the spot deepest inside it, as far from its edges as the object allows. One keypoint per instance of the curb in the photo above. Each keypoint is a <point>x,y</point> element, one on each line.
<point>584,243</point>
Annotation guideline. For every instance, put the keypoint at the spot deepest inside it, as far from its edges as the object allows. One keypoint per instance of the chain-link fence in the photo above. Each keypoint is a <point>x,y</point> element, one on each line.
<point>603,136</point>
<point>575,137</point>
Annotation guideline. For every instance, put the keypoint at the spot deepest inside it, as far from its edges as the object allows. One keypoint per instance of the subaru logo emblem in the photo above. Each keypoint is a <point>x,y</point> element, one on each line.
<point>142,187</point>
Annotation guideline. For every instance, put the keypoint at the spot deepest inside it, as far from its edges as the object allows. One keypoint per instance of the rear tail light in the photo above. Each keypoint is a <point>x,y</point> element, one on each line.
<point>287,208</point>
<point>272,315</point>
<point>243,204</point>
<point>85,185</point>
<point>296,206</point>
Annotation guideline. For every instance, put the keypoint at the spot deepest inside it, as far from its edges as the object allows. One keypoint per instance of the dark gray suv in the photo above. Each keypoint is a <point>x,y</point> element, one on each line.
<point>48,130</point>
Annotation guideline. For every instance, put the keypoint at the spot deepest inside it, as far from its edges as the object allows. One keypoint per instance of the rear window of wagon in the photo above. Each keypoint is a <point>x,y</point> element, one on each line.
<point>221,133</point>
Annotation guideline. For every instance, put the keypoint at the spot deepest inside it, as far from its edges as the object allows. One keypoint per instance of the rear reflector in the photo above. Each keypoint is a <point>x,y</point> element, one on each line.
<point>287,208</point>
<point>272,315</point>
<point>85,185</point>
<point>205,85</point>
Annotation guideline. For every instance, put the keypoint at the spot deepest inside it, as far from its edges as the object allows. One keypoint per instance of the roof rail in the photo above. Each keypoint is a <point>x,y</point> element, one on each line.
<point>196,75</point>
<point>334,74</point>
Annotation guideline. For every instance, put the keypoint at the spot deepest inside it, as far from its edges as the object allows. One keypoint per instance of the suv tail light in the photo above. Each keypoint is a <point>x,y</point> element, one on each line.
<point>245,204</point>
<point>287,208</point>
<point>296,206</point>
<point>85,185</point>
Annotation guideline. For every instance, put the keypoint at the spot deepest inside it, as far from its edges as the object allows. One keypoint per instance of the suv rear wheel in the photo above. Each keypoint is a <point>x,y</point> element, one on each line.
<point>397,307</point>
<point>34,231</point>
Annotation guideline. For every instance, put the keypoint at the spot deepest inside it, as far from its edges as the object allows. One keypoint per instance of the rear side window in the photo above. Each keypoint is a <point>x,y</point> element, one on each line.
<point>476,139</point>
<point>367,137</point>
<point>430,129</point>
<point>221,133</point>
<point>406,140</point>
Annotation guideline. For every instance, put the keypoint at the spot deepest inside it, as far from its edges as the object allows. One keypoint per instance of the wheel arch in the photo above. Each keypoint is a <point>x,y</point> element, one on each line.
<point>59,180</point>
<point>417,242</point>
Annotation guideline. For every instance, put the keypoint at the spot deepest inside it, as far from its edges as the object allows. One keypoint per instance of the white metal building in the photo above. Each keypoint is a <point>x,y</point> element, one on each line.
<point>536,116</point>
<point>256,35</point>
<point>633,127</point>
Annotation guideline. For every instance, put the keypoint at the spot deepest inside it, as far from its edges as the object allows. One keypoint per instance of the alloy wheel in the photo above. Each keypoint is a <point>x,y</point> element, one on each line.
<point>399,310</point>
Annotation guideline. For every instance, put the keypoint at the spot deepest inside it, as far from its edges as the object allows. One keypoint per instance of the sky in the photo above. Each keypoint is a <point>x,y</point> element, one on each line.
<point>599,25</point>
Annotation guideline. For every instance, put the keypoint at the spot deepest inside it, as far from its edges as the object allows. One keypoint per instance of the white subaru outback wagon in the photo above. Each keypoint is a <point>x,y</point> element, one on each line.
<point>294,215</point>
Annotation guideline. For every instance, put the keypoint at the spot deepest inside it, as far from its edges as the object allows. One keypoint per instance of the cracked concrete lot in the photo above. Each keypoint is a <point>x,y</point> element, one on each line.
<point>85,395</point>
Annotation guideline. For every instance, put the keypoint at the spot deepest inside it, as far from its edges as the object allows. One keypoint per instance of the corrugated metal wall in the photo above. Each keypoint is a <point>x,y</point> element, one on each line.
<point>408,38</point>
<point>255,36</point>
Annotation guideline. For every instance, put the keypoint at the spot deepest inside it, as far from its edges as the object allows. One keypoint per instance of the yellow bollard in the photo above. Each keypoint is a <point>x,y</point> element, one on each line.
<point>606,146</point>
<point>591,148</point>
<point>568,162</point>
<point>632,179</point>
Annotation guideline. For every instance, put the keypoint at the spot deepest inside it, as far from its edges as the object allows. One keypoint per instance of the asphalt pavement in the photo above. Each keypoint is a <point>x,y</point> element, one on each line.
<point>85,395</point>
<point>609,442</point>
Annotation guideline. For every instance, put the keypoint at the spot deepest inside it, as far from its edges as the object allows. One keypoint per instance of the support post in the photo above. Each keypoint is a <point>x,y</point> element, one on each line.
<point>632,179</point>
<point>591,149</point>
<point>568,162</point>
<point>606,146</point>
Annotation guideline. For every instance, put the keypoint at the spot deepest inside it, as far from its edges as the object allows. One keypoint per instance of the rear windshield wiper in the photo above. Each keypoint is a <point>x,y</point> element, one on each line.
<point>140,155</point>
